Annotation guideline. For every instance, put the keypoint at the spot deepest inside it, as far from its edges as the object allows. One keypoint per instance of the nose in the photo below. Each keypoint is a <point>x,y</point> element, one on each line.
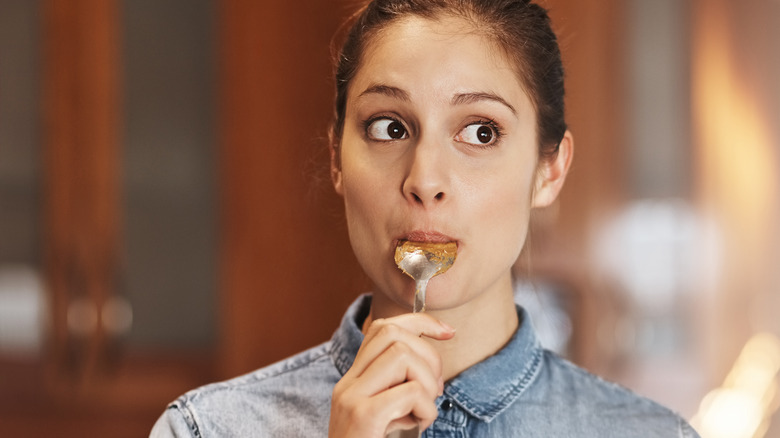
<point>426,182</point>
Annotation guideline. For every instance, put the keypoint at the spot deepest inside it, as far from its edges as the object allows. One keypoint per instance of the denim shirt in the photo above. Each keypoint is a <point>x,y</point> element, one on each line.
<point>521,391</point>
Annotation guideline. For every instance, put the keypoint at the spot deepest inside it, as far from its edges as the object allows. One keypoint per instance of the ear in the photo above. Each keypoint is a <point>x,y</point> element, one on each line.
<point>335,168</point>
<point>551,174</point>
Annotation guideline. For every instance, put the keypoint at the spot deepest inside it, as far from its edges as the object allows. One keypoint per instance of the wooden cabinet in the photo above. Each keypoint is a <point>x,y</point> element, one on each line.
<point>186,210</point>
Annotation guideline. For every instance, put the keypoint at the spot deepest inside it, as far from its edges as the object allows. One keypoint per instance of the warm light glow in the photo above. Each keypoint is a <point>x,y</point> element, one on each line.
<point>736,142</point>
<point>730,413</point>
<point>747,399</point>
<point>736,159</point>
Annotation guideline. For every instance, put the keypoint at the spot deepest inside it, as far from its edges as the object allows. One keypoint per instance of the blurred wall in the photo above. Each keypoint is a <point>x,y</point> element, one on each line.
<point>169,171</point>
<point>20,126</point>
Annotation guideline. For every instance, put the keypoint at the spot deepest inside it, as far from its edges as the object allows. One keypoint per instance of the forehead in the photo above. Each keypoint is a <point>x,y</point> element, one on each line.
<point>440,56</point>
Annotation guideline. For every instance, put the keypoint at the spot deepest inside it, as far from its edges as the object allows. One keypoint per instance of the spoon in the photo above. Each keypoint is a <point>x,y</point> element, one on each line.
<point>423,261</point>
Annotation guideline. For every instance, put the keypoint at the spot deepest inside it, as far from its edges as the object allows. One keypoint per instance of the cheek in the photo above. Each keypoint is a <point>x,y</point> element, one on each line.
<point>509,211</point>
<point>503,212</point>
<point>358,201</point>
<point>363,185</point>
<point>366,203</point>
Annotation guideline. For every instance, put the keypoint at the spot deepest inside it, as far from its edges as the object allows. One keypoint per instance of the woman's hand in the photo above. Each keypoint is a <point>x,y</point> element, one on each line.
<point>395,378</point>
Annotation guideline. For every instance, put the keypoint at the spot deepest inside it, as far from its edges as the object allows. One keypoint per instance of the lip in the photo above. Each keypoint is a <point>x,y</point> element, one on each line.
<point>427,237</point>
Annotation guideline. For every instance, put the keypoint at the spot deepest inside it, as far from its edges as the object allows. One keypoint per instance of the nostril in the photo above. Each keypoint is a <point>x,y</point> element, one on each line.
<point>417,198</point>
<point>439,196</point>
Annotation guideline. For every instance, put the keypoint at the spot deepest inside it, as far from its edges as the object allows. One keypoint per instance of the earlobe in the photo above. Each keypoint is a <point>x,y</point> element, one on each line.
<point>551,173</point>
<point>335,169</point>
<point>336,177</point>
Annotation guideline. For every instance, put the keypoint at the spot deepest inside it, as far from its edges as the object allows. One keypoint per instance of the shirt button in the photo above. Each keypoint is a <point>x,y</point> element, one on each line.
<point>446,405</point>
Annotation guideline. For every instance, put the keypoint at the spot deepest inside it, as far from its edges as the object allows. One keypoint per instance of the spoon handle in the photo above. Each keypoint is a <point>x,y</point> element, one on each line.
<point>419,296</point>
<point>408,433</point>
<point>419,306</point>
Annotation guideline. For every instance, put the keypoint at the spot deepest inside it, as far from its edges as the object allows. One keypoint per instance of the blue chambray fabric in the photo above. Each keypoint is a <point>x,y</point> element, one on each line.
<point>521,391</point>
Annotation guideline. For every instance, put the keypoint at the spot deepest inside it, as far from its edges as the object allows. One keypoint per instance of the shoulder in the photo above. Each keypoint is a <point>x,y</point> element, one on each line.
<point>565,379</point>
<point>305,370</point>
<point>592,403</point>
<point>290,397</point>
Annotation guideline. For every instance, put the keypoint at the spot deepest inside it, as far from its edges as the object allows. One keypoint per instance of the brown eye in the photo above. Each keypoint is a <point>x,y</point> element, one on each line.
<point>484,134</point>
<point>478,134</point>
<point>386,130</point>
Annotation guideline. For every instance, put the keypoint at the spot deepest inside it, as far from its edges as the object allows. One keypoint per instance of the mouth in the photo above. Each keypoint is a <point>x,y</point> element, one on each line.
<point>427,237</point>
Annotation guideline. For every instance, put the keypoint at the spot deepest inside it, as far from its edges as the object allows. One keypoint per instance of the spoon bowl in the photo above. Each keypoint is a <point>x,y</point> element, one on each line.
<point>423,261</point>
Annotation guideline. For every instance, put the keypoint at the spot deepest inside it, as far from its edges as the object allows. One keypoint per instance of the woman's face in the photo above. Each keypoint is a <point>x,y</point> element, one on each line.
<point>439,144</point>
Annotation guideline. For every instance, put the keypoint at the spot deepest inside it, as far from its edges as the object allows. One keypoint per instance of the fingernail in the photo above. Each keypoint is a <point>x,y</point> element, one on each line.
<point>446,327</point>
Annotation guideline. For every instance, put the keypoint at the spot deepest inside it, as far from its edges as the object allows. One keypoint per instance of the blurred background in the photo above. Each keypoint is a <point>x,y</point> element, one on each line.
<point>165,205</point>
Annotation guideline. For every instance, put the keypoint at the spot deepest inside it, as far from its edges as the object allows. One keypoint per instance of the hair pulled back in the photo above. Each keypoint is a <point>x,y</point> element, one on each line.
<point>520,28</point>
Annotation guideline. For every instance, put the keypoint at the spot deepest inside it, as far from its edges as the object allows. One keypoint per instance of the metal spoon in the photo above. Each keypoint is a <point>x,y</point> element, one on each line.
<point>423,261</point>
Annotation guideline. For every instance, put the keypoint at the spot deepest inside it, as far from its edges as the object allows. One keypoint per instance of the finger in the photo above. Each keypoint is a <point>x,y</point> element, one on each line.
<point>405,328</point>
<point>421,324</point>
<point>396,365</point>
<point>407,423</point>
<point>371,416</point>
<point>404,400</point>
<point>388,336</point>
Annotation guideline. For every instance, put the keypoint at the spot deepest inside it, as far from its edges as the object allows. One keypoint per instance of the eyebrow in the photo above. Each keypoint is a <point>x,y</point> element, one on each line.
<point>387,90</point>
<point>467,98</point>
<point>458,99</point>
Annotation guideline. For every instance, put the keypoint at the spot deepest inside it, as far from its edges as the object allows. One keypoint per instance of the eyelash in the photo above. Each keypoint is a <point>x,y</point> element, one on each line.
<point>494,126</point>
<point>368,122</point>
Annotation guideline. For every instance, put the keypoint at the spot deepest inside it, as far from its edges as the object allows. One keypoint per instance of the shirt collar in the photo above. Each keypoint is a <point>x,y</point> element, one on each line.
<point>347,339</point>
<point>490,386</point>
<point>485,389</point>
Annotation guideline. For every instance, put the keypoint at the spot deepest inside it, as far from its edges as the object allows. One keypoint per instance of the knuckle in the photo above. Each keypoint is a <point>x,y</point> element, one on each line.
<point>414,388</point>
<point>400,351</point>
<point>415,391</point>
<point>428,391</point>
<point>420,391</point>
<point>388,330</point>
<point>376,325</point>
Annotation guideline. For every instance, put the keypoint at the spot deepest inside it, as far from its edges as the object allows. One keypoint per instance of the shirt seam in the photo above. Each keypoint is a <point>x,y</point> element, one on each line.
<point>185,408</point>
<point>339,357</point>
<point>529,376</point>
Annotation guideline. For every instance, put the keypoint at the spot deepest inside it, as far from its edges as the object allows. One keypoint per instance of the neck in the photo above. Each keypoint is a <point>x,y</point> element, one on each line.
<point>483,326</point>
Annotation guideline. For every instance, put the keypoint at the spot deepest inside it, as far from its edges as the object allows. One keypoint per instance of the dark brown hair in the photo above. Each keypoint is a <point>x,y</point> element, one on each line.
<point>520,28</point>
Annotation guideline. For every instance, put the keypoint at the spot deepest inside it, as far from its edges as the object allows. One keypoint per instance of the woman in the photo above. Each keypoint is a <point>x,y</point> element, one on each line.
<point>449,128</point>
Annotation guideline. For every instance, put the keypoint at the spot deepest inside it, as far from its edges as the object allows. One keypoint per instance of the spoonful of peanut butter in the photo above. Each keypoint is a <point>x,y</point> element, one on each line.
<point>423,261</point>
